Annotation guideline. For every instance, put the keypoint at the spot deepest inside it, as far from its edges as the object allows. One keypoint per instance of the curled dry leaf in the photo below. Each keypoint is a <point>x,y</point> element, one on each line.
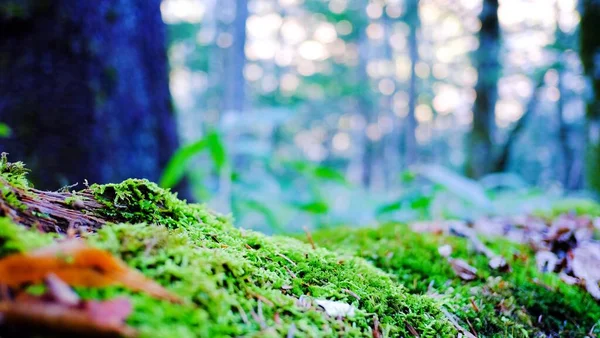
<point>463,269</point>
<point>77,265</point>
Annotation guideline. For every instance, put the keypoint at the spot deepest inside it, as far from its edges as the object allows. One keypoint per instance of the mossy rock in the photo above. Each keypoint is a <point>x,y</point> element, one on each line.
<point>519,303</point>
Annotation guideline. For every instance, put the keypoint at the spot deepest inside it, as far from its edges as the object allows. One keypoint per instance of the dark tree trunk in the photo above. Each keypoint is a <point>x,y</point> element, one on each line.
<point>84,87</point>
<point>488,70</point>
<point>590,56</point>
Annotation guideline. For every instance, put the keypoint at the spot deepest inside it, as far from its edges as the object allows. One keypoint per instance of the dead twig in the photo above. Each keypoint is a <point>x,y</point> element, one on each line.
<point>286,258</point>
<point>351,294</point>
<point>309,238</point>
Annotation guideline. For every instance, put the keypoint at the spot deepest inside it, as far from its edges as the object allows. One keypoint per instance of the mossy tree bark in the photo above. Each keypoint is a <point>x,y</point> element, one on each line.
<point>84,87</point>
<point>487,61</point>
<point>590,56</point>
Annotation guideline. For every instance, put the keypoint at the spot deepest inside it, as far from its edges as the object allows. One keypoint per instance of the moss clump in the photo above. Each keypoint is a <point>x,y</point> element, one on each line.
<point>578,206</point>
<point>520,303</point>
<point>14,173</point>
<point>14,238</point>
<point>242,283</point>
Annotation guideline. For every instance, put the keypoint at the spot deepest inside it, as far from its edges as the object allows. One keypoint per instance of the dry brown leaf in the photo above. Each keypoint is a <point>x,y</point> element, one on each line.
<point>77,264</point>
<point>586,266</point>
<point>92,320</point>
<point>463,269</point>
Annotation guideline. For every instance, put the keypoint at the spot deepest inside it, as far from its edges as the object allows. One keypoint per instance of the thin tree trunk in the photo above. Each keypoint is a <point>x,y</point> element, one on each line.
<point>84,87</point>
<point>488,70</point>
<point>500,163</point>
<point>590,51</point>
<point>410,142</point>
<point>235,59</point>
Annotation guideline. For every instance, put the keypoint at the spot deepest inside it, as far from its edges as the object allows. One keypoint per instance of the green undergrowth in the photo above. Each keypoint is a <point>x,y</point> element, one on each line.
<point>520,303</point>
<point>236,282</point>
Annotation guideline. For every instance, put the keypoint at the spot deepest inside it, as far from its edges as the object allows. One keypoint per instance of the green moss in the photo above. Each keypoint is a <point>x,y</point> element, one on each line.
<point>242,283</point>
<point>579,206</point>
<point>15,173</point>
<point>518,303</point>
<point>14,238</point>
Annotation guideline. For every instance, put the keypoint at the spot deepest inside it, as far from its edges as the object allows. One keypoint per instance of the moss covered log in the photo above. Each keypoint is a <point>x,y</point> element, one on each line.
<point>235,282</point>
<point>238,282</point>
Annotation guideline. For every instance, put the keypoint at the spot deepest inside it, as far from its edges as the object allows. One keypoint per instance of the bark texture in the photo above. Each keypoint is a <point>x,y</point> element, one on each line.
<point>488,67</point>
<point>84,87</point>
<point>590,56</point>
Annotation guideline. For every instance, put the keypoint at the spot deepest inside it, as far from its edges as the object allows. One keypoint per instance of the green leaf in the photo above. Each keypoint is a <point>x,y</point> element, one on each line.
<point>217,150</point>
<point>330,174</point>
<point>5,130</point>
<point>421,202</point>
<point>175,169</point>
<point>389,208</point>
<point>316,207</point>
<point>407,176</point>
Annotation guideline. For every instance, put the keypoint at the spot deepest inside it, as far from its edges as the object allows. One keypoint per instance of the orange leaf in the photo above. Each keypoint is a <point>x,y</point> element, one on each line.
<point>77,265</point>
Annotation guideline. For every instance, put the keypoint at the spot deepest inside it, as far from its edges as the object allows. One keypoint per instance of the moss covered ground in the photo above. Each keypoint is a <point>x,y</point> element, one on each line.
<point>519,303</point>
<point>238,282</point>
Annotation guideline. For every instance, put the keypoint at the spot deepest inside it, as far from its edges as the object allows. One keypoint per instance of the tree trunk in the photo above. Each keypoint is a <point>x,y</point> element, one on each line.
<point>410,143</point>
<point>488,70</point>
<point>84,87</point>
<point>235,59</point>
<point>590,57</point>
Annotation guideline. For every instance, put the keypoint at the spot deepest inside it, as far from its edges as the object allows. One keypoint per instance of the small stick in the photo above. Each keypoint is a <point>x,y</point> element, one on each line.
<point>472,328</point>
<point>475,307</point>
<point>286,258</point>
<point>310,239</point>
<point>351,294</point>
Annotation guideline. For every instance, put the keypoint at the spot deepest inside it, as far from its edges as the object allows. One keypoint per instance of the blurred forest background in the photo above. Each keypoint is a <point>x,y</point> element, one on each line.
<point>293,113</point>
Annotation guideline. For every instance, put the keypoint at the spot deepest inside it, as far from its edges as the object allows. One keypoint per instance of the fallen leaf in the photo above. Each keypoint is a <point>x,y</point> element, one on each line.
<point>546,261</point>
<point>336,309</point>
<point>498,263</point>
<point>586,266</point>
<point>463,269</point>
<point>40,316</point>
<point>60,310</point>
<point>77,264</point>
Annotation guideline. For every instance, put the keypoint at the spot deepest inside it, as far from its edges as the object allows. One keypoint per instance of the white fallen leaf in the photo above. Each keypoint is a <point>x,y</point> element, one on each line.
<point>336,309</point>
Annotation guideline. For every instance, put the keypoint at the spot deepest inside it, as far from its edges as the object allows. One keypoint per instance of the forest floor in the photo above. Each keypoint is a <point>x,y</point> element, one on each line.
<point>130,259</point>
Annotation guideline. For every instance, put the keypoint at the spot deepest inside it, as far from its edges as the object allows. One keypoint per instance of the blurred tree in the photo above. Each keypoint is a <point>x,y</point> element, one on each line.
<point>590,51</point>
<point>235,58</point>
<point>410,143</point>
<point>84,87</point>
<point>487,61</point>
